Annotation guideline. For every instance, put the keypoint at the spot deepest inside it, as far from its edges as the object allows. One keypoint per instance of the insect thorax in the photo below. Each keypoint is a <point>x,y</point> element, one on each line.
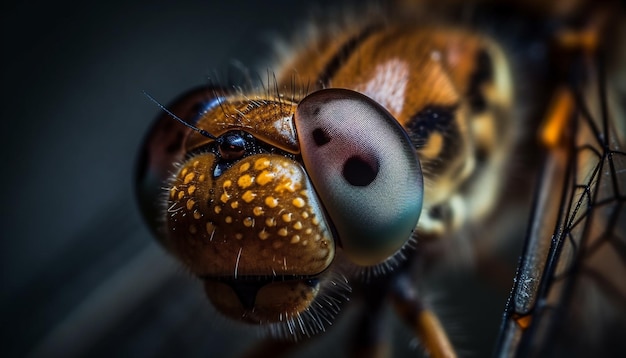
<point>451,91</point>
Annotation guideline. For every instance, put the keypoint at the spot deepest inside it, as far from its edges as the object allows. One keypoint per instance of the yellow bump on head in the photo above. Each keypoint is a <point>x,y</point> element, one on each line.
<point>201,178</point>
<point>228,219</point>
<point>286,217</point>
<point>245,166</point>
<point>297,225</point>
<point>271,222</point>
<point>265,177</point>
<point>304,215</point>
<point>248,196</point>
<point>210,228</point>
<point>271,202</point>
<point>193,229</point>
<point>234,204</point>
<point>183,172</point>
<point>287,185</point>
<point>173,192</point>
<point>238,236</point>
<point>261,163</point>
<point>245,181</point>
<point>217,209</point>
<point>283,232</point>
<point>189,177</point>
<point>258,211</point>
<point>263,235</point>
<point>295,239</point>
<point>190,204</point>
<point>196,214</point>
<point>181,195</point>
<point>224,198</point>
<point>248,221</point>
<point>191,189</point>
<point>298,202</point>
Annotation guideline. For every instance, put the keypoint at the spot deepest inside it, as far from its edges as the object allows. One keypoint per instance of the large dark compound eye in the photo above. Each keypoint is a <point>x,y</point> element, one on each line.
<point>365,170</point>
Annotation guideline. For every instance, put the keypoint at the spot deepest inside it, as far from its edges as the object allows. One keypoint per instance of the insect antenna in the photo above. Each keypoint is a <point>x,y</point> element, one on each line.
<point>201,131</point>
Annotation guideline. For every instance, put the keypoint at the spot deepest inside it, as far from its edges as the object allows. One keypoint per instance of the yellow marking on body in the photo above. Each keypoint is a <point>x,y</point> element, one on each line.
<point>193,229</point>
<point>189,177</point>
<point>238,236</point>
<point>181,195</point>
<point>248,221</point>
<point>261,163</point>
<point>298,202</point>
<point>173,192</point>
<point>271,222</point>
<point>201,178</point>
<point>277,244</point>
<point>258,211</point>
<point>295,239</point>
<point>245,166</point>
<point>308,231</point>
<point>265,177</point>
<point>287,185</point>
<point>433,146</point>
<point>271,202</point>
<point>263,235</point>
<point>305,242</point>
<point>286,217</point>
<point>217,209</point>
<point>304,215</point>
<point>248,196</point>
<point>315,221</point>
<point>227,184</point>
<point>183,172</point>
<point>283,232</point>
<point>228,219</point>
<point>190,204</point>
<point>191,189</point>
<point>318,237</point>
<point>297,225</point>
<point>196,163</point>
<point>224,198</point>
<point>245,181</point>
<point>196,214</point>
<point>234,204</point>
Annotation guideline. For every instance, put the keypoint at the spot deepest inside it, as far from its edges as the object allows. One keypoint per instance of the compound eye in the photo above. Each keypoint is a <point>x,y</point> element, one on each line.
<point>231,146</point>
<point>365,170</point>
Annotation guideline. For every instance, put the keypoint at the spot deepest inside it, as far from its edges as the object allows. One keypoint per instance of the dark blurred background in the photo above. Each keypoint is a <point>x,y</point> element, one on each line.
<point>81,275</point>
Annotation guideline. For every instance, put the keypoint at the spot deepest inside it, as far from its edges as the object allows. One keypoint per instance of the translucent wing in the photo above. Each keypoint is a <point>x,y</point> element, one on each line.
<point>569,296</point>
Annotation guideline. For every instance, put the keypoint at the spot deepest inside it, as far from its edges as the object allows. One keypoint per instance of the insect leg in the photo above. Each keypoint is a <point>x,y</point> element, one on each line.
<point>423,321</point>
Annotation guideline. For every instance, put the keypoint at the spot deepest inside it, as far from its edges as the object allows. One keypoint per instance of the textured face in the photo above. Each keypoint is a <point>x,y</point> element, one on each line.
<point>261,217</point>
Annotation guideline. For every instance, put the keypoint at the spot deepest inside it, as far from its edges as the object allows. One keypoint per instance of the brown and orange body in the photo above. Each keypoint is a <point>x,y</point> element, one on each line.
<point>390,133</point>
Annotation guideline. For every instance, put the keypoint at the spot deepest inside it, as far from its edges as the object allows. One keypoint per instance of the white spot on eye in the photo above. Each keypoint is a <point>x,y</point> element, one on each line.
<point>388,85</point>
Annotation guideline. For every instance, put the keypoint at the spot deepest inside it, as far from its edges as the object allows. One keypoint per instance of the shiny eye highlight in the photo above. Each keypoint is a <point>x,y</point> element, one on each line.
<point>365,170</point>
<point>231,146</point>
